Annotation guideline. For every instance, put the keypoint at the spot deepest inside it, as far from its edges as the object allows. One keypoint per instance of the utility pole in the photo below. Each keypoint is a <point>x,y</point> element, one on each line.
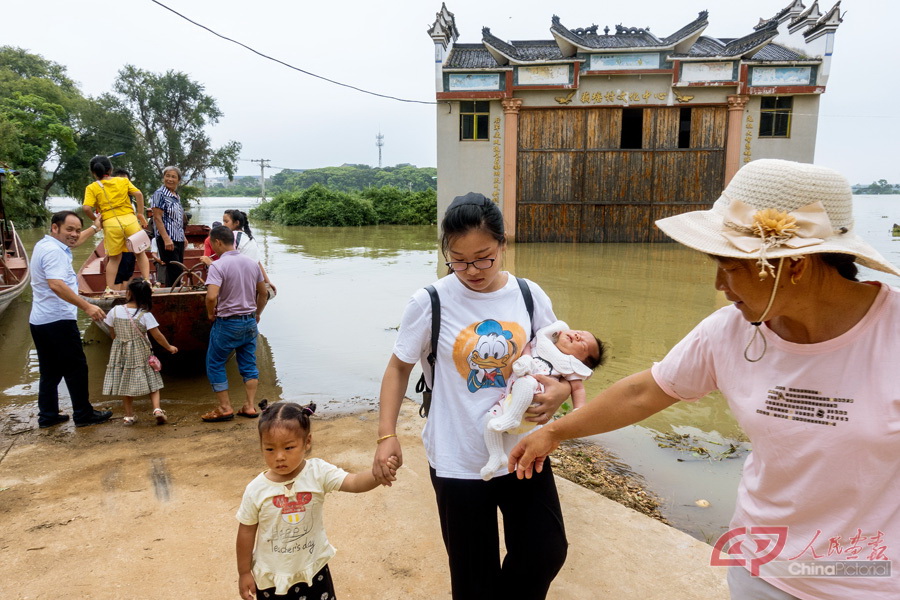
<point>263,163</point>
<point>379,141</point>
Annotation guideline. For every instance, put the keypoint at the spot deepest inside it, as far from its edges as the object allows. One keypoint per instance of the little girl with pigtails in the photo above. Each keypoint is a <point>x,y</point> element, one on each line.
<point>282,549</point>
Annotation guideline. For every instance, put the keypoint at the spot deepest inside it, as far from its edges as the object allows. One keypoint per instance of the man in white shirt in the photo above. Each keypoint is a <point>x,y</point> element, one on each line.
<point>54,328</point>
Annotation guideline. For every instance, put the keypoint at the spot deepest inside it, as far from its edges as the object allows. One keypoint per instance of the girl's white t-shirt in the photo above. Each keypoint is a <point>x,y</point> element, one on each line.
<point>824,423</point>
<point>291,545</point>
<point>481,335</point>
<point>120,311</point>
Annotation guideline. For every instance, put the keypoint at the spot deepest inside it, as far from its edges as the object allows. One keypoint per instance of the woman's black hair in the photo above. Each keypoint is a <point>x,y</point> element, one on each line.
<point>100,166</point>
<point>142,293</point>
<point>844,263</point>
<point>286,414</point>
<point>240,217</point>
<point>469,213</point>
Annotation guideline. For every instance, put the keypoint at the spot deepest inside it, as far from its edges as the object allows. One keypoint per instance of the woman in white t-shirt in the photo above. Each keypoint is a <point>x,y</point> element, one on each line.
<point>484,326</point>
<point>807,359</point>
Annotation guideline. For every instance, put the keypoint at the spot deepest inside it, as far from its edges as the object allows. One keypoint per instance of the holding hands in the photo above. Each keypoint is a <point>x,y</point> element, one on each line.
<point>388,459</point>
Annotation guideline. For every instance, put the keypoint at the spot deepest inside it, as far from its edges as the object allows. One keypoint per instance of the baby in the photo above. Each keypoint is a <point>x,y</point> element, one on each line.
<point>556,351</point>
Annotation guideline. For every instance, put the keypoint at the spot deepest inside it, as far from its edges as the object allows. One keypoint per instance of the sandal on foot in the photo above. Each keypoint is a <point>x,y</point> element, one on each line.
<point>128,420</point>
<point>249,415</point>
<point>161,417</point>
<point>216,415</point>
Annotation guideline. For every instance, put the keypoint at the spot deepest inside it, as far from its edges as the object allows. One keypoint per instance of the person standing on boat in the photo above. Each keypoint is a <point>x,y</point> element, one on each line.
<point>236,295</point>
<point>111,196</point>
<point>168,216</point>
<point>54,328</point>
<point>126,267</point>
<point>244,242</point>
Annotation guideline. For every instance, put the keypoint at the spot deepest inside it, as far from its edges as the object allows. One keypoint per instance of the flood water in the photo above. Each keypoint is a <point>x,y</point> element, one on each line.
<point>328,334</point>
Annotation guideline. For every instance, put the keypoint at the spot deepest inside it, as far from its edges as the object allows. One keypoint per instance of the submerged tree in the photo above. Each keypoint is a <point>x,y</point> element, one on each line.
<point>170,113</point>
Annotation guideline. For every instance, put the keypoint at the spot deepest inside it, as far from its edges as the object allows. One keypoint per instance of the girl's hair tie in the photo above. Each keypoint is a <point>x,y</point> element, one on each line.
<point>309,409</point>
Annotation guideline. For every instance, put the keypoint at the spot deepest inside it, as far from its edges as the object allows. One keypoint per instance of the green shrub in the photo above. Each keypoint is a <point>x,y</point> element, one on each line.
<point>320,206</point>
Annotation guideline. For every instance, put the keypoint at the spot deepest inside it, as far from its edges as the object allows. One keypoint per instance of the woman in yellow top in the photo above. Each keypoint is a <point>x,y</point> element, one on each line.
<point>110,196</point>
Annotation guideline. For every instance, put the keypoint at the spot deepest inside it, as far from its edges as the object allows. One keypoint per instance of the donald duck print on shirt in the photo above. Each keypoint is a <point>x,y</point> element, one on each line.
<point>484,353</point>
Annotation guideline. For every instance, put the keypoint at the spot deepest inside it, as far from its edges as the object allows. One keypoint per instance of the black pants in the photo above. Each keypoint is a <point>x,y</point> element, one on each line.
<point>533,529</point>
<point>61,356</point>
<point>321,587</point>
<point>171,271</point>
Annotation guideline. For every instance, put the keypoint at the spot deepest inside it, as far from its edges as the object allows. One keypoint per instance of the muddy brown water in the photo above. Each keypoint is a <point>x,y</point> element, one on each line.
<point>328,334</point>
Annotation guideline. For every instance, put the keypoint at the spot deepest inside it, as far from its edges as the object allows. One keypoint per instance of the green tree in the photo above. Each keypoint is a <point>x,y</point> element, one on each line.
<point>103,126</point>
<point>170,113</point>
<point>37,103</point>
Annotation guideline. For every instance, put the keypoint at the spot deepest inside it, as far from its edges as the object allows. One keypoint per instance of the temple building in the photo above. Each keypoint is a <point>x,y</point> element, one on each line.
<point>592,135</point>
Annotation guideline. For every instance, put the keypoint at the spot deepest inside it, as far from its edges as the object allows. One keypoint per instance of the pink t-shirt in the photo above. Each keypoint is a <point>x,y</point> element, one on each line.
<point>824,422</point>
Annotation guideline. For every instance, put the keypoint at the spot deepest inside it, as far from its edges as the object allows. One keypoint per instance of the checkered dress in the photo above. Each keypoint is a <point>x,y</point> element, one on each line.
<point>128,373</point>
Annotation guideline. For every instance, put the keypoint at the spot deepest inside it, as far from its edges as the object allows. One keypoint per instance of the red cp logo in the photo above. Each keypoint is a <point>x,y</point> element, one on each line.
<point>762,543</point>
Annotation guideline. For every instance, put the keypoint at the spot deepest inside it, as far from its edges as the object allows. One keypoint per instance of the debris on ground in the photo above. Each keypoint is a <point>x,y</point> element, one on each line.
<point>597,469</point>
<point>700,448</point>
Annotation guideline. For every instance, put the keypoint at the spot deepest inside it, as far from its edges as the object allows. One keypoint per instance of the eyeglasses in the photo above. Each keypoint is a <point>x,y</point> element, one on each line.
<point>461,265</point>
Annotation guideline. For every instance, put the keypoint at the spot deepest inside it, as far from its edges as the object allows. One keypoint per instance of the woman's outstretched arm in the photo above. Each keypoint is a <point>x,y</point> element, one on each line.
<point>625,402</point>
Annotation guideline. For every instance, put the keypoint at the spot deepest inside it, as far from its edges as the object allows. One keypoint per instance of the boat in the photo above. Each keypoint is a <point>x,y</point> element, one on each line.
<point>15,272</point>
<point>180,309</point>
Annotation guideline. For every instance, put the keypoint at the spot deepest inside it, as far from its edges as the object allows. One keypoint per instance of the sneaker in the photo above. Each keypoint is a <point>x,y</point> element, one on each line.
<point>56,420</point>
<point>161,418</point>
<point>99,416</point>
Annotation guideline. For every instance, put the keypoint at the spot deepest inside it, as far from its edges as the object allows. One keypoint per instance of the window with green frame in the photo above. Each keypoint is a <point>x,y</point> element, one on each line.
<point>474,119</point>
<point>775,116</point>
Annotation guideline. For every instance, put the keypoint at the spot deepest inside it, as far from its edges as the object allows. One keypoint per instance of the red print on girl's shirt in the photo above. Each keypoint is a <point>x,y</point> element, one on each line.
<point>292,506</point>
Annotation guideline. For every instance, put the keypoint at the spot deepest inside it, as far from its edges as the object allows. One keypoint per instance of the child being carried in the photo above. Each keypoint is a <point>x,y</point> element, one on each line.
<point>556,351</point>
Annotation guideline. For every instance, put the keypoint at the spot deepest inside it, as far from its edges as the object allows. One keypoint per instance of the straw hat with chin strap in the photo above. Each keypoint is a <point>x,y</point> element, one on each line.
<point>777,209</point>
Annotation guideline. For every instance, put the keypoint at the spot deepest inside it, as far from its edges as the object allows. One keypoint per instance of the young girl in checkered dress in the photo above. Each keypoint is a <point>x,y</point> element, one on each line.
<point>128,373</point>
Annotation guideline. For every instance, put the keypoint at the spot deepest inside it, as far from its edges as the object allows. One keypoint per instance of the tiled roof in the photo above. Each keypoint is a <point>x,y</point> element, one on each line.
<point>776,52</point>
<point>470,56</point>
<point>729,48</point>
<point>523,50</point>
<point>758,44</point>
<point>749,42</point>
<point>539,50</point>
<point>764,23</point>
<point>833,16</point>
<point>625,37</point>
<point>806,14</point>
<point>697,24</point>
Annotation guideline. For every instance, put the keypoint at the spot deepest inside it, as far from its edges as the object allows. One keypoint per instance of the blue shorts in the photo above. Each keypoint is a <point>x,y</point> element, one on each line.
<point>229,334</point>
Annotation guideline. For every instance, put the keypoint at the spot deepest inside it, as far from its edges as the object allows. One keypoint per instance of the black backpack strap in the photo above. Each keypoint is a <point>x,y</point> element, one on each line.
<point>237,240</point>
<point>422,386</point>
<point>529,302</point>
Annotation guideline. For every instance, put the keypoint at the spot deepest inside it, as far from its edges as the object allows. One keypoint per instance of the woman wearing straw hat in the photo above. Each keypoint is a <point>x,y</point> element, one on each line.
<point>807,358</point>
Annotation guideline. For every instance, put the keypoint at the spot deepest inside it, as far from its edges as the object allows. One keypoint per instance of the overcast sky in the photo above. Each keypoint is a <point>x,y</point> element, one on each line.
<point>297,121</point>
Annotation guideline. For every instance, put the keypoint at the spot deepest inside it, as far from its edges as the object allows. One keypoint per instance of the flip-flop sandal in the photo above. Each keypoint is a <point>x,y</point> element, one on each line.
<point>252,415</point>
<point>215,416</point>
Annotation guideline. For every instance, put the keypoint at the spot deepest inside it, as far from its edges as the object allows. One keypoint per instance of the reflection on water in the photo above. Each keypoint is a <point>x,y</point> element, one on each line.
<point>328,334</point>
